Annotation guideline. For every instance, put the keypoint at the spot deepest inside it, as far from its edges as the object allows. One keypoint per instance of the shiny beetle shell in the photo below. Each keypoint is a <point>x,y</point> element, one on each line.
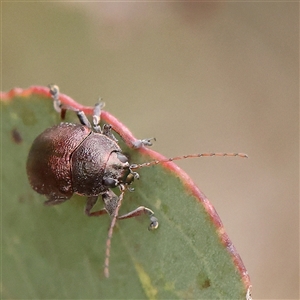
<point>71,158</point>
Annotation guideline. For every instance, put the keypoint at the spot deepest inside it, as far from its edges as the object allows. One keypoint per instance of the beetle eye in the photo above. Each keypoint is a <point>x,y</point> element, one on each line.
<point>122,157</point>
<point>110,182</point>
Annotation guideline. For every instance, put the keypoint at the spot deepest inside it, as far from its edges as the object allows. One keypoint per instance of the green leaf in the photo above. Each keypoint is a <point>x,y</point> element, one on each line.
<point>58,252</point>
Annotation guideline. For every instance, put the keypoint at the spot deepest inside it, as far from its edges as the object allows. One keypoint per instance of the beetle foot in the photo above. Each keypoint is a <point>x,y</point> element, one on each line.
<point>145,142</point>
<point>54,91</point>
<point>140,211</point>
<point>154,223</point>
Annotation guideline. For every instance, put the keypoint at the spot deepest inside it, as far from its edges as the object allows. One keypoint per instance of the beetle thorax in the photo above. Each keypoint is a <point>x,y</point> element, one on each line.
<point>90,164</point>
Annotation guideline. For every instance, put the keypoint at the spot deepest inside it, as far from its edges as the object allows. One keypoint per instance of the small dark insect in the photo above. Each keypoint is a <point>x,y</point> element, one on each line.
<point>87,160</point>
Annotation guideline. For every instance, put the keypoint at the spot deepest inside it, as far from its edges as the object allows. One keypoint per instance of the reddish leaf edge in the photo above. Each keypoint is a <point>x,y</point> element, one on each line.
<point>131,141</point>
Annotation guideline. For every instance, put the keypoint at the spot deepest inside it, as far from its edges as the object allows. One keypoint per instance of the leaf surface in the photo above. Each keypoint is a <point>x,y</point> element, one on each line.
<point>58,252</point>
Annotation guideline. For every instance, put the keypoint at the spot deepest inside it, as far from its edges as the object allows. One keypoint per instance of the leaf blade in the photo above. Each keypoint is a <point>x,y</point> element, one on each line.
<point>189,256</point>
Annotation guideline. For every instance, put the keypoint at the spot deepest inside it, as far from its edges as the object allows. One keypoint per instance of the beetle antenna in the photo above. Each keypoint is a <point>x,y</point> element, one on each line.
<point>110,232</point>
<point>156,162</point>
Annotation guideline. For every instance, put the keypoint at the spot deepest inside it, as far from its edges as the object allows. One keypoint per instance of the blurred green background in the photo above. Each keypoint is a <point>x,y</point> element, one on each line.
<point>199,77</point>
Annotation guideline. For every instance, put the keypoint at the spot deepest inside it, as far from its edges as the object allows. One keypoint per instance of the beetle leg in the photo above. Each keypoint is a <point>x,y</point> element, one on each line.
<point>110,200</point>
<point>58,106</point>
<point>134,144</point>
<point>97,115</point>
<point>83,119</point>
<point>91,201</point>
<point>140,211</point>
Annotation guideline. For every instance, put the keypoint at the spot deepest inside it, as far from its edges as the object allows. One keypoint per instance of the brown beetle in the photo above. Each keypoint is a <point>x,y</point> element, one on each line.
<point>83,159</point>
<point>87,160</point>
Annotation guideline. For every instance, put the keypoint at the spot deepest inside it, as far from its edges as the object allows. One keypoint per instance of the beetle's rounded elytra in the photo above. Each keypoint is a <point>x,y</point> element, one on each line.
<point>87,160</point>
